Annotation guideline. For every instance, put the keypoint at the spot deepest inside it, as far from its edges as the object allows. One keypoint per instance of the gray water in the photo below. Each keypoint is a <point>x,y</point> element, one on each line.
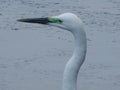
<point>32,56</point>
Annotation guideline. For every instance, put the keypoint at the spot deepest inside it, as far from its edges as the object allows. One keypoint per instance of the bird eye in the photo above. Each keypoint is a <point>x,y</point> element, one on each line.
<point>57,20</point>
<point>60,21</point>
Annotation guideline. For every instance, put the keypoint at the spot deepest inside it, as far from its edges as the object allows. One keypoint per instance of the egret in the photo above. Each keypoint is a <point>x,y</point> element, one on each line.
<point>72,23</point>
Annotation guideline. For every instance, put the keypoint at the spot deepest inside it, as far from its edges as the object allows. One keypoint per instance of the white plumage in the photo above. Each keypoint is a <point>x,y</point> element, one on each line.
<point>72,23</point>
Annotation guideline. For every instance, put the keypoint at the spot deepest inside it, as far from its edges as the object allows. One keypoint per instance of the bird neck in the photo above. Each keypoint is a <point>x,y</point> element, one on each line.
<point>73,65</point>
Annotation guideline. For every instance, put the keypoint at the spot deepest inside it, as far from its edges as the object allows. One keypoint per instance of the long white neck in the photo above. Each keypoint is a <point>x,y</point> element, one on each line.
<point>73,65</point>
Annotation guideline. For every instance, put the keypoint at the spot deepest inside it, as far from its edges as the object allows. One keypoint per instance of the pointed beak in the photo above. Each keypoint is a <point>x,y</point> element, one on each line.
<point>35,20</point>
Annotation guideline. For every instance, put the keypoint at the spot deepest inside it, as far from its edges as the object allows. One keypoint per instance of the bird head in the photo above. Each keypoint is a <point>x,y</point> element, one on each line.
<point>66,21</point>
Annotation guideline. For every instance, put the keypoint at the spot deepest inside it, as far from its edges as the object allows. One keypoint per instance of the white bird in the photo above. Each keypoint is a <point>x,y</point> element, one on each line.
<point>72,23</point>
